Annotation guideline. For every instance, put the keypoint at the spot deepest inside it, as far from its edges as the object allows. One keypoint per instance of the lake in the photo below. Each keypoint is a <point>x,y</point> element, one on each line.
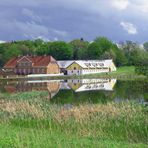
<point>79,91</point>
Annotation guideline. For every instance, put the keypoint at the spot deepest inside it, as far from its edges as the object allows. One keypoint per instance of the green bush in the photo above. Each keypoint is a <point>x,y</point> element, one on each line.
<point>142,70</point>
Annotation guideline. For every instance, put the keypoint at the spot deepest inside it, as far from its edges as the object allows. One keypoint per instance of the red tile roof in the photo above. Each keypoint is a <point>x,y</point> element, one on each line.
<point>36,60</point>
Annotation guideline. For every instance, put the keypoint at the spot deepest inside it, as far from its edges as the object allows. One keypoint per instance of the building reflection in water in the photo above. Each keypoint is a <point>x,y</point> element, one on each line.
<point>23,86</point>
<point>53,86</point>
<point>79,85</point>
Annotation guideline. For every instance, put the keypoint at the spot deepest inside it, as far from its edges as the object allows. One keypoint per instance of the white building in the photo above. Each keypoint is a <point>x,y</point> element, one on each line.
<point>77,67</point>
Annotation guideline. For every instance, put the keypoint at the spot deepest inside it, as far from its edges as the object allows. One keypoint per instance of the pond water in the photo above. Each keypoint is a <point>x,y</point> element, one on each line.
<point>83,90</point>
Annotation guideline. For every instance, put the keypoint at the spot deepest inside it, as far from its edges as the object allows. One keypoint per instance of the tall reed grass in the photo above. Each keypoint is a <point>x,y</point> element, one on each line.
<point>29,122</point>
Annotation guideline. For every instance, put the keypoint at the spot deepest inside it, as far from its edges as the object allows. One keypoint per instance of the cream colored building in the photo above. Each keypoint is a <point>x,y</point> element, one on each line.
<point>78,67</point>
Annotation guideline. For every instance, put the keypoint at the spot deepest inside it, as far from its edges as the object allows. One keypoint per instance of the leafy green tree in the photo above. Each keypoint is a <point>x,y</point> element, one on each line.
<point>43,49</point>
<point>132,51</point>
<point>94,51</point>
<point>121,59</point>
<point>25,50</point>
<point>30,45</point>
<point>109,55</point>
<point>60,50</point>
<point>138,56</point>
<point>105,44</point>
<point>129,46</point>
<point>99,47</point>
<point>11,52</point>
<point>79,47</point>
<point>1,60</point>
<point>82,54</point>
<point>142,66</point>
<point>146,46</point>
<point>38,42</point>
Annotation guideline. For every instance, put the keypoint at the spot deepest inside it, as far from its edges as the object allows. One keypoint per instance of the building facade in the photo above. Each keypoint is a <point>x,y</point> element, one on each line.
<point>25,65</point>
<point>79,67</point>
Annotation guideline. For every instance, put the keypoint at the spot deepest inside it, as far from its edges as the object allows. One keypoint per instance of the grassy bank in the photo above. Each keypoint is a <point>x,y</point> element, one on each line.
<point>126,72</point>
<point>29,120</point>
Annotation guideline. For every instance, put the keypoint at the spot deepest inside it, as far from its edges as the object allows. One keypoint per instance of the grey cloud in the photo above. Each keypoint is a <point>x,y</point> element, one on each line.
<point>69,19</point>
<point>31,14</point>
<point>31,28</point>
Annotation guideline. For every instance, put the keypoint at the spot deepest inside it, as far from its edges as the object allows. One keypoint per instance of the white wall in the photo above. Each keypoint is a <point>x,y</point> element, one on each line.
<point>89,71</point>
<point>86,71</point>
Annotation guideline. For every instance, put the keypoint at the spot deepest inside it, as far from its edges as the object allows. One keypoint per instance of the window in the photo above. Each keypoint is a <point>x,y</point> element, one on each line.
<point>24,71</point>
<point>33,70</point>
<point>101,64</point>
<point>75,68</point>
<point>29,70</point>
<point>39,70</point>
<point>43,71</point>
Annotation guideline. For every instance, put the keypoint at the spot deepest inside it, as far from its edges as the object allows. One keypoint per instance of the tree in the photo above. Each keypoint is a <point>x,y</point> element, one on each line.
<point>132,52</point>
<point>146,46</point>
<point>38,42</point>
<point>137,56</point>
<point>121,59</point>
<point>11,52</point>
<point>99,47</point>
<point>94,51</point>
<point>108,55</point>
<point>79,47</point>
<point>43,49</point>
<point>142,63</point>
<point>82,54</point>
<point>25,50</point>
<point>30,45</point>
<point>104,43</point>
<point>60,50</point>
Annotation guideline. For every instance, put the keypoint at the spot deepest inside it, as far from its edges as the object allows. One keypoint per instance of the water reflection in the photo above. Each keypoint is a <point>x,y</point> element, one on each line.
<point>79,85</point>
<point>22,86</point>
<point>83,90</point>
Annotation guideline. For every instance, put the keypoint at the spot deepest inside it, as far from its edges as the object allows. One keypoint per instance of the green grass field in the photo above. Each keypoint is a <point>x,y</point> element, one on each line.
<point>19,137</point>
<point>29,120</point>
<point>125,70</point>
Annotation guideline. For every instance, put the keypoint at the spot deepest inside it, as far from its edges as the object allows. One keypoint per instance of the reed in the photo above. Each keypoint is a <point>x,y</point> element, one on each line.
<point>35,122</point>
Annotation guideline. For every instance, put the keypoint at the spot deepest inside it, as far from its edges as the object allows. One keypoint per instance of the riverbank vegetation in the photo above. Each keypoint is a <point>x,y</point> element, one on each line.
<point>30,120</point>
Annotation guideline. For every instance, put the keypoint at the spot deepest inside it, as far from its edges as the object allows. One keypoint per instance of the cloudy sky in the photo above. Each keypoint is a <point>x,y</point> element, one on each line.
<point>119,20</point>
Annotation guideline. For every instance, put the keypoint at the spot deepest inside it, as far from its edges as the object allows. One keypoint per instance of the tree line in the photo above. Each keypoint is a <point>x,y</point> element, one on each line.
<point>126,53</point>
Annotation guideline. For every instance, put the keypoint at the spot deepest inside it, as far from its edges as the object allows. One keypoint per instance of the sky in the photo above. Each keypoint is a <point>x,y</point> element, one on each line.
<point>52,20</point>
